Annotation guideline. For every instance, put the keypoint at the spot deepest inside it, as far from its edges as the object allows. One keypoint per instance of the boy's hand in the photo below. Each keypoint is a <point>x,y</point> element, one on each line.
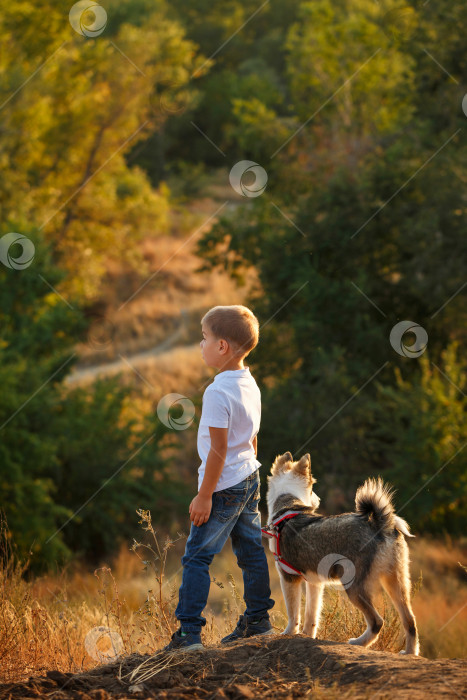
<point>201,505</point>
<point>200,509</point>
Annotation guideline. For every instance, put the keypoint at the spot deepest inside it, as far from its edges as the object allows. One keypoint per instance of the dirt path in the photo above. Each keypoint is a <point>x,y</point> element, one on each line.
<point>88,374</point>
<point>271,667</point>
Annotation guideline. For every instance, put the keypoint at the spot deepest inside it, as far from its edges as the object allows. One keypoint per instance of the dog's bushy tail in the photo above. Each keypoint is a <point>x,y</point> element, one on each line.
<point>373,500</point>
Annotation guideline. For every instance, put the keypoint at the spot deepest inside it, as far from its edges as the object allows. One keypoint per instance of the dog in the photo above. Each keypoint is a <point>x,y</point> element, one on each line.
<point>355,550</point>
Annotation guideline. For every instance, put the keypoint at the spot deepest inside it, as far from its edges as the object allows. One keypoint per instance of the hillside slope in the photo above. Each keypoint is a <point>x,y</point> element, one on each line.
<point>273,667</point>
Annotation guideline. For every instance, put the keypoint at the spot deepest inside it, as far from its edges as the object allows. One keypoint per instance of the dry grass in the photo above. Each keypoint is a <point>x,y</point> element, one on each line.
<point>44,622</point>
<point>440,606</point>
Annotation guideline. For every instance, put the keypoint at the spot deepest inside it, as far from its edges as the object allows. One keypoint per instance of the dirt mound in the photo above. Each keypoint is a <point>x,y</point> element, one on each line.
<point>273,667</point>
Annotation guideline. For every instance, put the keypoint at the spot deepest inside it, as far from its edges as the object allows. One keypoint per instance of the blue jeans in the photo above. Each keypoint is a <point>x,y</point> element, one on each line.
<point>234,513</point>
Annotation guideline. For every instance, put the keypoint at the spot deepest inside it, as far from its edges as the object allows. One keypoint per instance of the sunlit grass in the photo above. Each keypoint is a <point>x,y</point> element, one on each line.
<point>44,621</point>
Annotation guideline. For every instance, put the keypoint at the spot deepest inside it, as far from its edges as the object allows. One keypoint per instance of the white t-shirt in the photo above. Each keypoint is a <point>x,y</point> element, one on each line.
<point>232,401</point>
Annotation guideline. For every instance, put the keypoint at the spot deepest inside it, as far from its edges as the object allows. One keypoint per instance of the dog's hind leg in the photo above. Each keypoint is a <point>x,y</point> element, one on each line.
<point>362,600</point>
<point>314,596</point>
<point>397,585</point>
<point>291,590</point>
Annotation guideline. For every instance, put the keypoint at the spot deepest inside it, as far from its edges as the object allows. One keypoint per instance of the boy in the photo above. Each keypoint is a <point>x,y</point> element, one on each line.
<point>228,484</point>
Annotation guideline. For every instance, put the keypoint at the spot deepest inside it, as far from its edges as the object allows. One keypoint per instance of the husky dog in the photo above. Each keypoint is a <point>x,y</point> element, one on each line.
<point>358,549</point>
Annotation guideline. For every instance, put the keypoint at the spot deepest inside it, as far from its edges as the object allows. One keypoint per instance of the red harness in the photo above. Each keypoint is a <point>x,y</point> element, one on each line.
<point>274,531</point>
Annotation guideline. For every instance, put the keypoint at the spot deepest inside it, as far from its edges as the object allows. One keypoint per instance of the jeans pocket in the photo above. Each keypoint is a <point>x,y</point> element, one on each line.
<point>228,503</point>
<point>253,501</point>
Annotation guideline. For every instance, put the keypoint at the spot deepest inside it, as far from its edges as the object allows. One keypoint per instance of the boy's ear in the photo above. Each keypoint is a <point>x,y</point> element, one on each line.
<point>282,463</point>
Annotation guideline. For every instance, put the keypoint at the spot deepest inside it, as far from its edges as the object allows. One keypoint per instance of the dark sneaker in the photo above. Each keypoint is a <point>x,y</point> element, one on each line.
<point>184,641</point>
<point>249,628</point>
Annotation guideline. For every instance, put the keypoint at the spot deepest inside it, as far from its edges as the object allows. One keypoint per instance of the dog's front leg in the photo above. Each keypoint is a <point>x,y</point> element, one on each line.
<point>314,597</point>
<point>291,590</point>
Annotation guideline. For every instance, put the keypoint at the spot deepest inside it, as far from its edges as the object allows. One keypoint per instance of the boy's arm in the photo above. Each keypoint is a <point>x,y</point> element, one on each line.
<point>255,444</point>
<point>200,507</point>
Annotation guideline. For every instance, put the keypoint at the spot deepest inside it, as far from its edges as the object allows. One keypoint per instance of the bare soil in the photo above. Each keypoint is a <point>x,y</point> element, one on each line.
<point>272,667</point>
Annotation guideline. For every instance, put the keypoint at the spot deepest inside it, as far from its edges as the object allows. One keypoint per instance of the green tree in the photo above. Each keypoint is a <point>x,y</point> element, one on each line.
<point>348,240</point>
<point>36,351</point>
<point>74,464</point>
<point>422,424</point>
<point>108,467</point>
<point>72,108</point>
<point>246,83</point>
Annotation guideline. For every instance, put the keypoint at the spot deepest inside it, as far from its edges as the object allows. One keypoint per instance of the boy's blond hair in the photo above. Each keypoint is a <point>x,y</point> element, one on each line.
<point>237,324</point>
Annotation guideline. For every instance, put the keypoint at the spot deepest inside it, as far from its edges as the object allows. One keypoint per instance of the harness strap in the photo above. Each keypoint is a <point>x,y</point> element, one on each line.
<point>274,531</point>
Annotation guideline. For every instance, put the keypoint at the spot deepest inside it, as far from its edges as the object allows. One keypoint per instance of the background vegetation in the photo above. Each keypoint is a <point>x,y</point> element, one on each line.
<point>115,158</point>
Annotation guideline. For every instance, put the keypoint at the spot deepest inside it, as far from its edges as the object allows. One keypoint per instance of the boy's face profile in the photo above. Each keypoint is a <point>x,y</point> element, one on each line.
<point>214,350</point>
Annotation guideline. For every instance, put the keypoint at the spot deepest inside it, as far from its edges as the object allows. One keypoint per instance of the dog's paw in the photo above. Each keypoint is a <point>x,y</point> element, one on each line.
<point>291,630</point>
<point>310,632</point>
<point>355,640</point>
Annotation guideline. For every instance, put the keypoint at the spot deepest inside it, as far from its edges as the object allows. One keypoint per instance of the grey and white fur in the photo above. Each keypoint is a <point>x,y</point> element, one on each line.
<point>371,540</point>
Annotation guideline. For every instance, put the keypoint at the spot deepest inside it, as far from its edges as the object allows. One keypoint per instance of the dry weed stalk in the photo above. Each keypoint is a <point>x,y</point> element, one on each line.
<point>151,667</point>
<point>112,607</point>
<point>163,606</point>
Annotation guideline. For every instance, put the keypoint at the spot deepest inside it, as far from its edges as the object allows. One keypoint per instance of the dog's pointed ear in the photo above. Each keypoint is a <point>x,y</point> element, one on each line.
<point>303,467</point>
<point>281,463</point>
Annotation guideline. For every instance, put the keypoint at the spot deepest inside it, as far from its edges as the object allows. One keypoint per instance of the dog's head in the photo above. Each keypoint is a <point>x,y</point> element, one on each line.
<point>294,478</point>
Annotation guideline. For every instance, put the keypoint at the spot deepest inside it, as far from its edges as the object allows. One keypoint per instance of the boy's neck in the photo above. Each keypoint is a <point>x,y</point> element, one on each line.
<point>232,364</point>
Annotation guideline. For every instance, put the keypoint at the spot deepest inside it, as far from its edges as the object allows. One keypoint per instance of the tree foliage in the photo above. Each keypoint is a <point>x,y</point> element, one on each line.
<point>363,225</point>
<point>74,465</point>
<point>72,108</point>
<point>354,108</point>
